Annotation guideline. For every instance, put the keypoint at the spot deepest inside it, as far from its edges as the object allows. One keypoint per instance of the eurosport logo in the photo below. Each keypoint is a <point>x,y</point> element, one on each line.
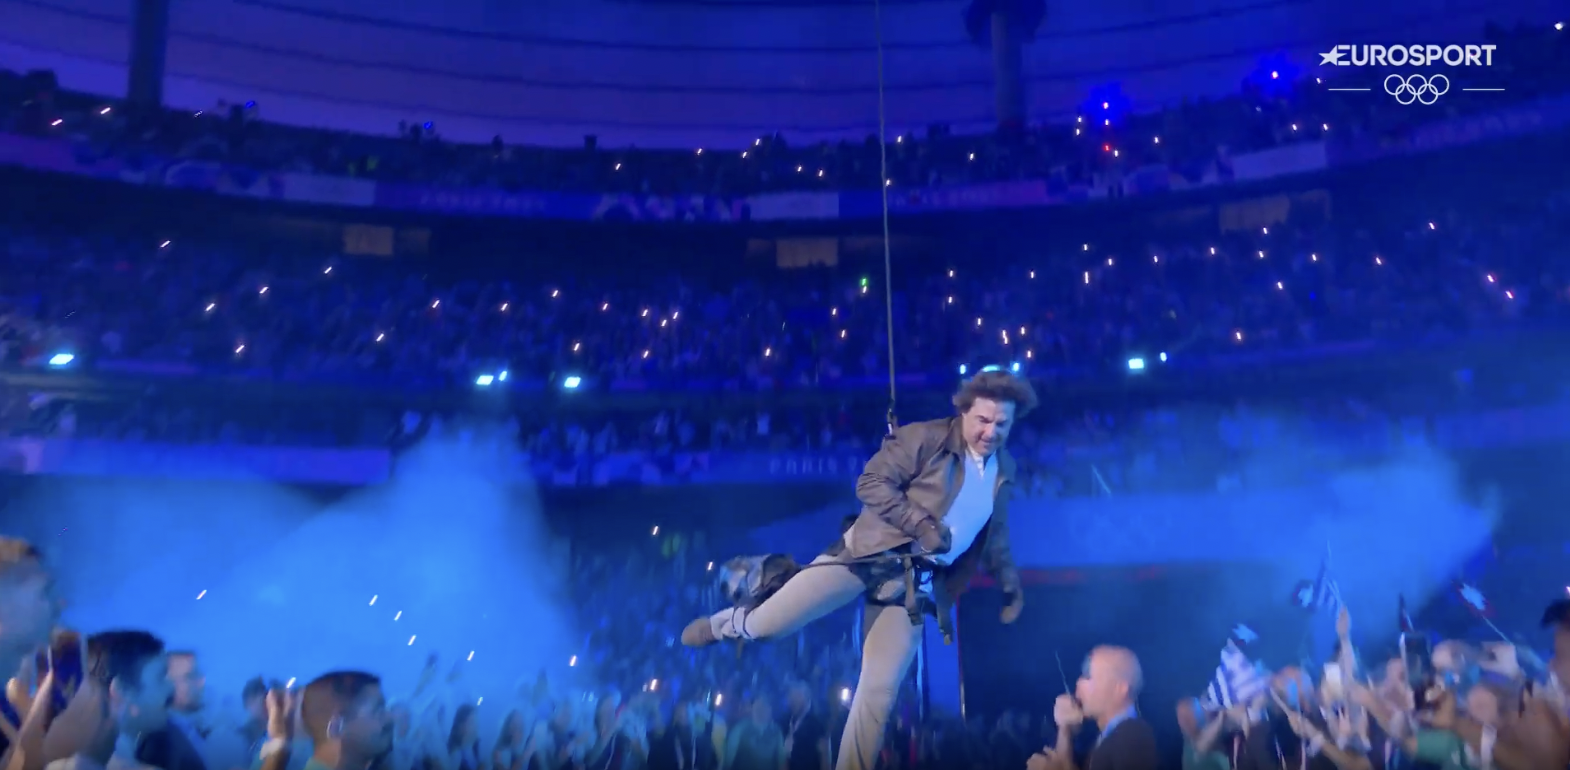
<point>1409,55</point>
<point>1424,89</point>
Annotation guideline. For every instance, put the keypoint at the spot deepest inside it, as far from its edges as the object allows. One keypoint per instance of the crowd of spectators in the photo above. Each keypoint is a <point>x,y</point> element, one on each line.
<point>1272,108</point>
<point>1087,308</point>
<point>656,705</point>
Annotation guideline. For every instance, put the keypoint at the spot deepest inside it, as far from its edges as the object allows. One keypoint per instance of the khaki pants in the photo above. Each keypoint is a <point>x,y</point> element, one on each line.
<point>890,644</point>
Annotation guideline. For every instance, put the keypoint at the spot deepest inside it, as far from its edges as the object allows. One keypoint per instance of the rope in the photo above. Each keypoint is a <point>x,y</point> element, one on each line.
<point>888,259</point>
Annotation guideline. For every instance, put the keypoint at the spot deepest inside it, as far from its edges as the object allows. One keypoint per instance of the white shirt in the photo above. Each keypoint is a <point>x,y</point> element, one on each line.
<point>972,507</point>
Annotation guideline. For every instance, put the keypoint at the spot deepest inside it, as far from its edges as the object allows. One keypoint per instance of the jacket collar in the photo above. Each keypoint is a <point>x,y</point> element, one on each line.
<point>954,443</point>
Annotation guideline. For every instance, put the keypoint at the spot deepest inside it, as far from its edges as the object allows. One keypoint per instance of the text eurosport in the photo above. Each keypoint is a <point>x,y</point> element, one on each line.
<point>1366,55</point>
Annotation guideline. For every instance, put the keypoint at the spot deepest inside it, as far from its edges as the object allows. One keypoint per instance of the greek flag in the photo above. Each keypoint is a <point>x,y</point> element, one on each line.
<point>1321,593</point>
<point>1238,680</point>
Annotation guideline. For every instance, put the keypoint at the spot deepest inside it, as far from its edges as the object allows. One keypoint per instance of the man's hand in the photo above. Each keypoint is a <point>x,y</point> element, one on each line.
<point>280,715</point>
<point>933,537</point>
<point>1066,712</point>
<point>1046,759</point>
<point>1343,623</point>
<point>1014,608</point>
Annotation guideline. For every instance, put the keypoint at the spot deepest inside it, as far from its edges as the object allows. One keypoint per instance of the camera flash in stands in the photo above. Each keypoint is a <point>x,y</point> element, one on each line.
<point>373,601</point>
<point>502,377</point>
<point>654,684</point>
<point>262,290</point>
<point>844,695</point>
<point>711,568</point>
<point>962,369</point>
<point>200,595</point>
<point>211,306</point>
<point>555,293</point>
<point>104,111</point>
<point>973,156</point>
<point>411,641</point>
<point>57,123</point>
<point>700,150</point>
<point>329,271</point>
<point>61,359</point>
<point>380,337</point>
<point>572,383</point>
<point>654,532</point>
<point>573,661</point>
<point>398,615</point>
<point>289,683</point>
<point>480,702</point>
<point>165,244</point>
<point>1136,364</point>
<point>1163,358</point>
<point>719,698</point>
<point>471,654</point>
<point>617,168</point>
<point>484,380</point>
<point>757,143</point>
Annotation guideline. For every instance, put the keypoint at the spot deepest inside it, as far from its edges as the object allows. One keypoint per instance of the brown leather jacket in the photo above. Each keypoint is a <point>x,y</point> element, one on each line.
<point>916,475</point>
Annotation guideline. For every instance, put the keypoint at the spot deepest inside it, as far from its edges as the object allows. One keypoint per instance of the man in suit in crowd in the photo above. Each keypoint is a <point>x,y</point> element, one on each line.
<point>1105,695</point>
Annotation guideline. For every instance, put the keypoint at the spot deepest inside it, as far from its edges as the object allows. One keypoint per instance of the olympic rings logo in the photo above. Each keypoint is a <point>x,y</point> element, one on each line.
<point>1417,88</point>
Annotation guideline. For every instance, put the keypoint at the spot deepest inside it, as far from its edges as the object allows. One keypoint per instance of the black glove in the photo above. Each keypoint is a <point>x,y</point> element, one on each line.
<point>933,537</point>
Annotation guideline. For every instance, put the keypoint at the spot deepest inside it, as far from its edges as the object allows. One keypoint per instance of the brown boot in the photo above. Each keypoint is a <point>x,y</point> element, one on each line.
<point>699,633</point>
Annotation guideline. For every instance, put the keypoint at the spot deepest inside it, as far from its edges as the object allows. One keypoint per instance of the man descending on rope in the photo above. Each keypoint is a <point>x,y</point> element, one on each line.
<point>935,498</point>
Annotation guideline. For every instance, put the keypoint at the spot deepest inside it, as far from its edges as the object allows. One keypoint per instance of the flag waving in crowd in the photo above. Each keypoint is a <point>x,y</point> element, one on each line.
<point>1318,594</point>
<point>1475,601</point>
<point>1238,680</point>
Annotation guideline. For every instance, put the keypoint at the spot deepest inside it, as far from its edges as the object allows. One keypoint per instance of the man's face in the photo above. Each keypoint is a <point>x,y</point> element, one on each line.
<point>29,609</point>
<point>188,682</point>
<point>144,705</point>
<point>986,425</point>
<point>367,726</point>
<point>1099,687</point>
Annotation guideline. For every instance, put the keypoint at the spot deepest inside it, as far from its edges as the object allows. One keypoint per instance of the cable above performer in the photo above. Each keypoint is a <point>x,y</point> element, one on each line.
<point>934,509</point>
